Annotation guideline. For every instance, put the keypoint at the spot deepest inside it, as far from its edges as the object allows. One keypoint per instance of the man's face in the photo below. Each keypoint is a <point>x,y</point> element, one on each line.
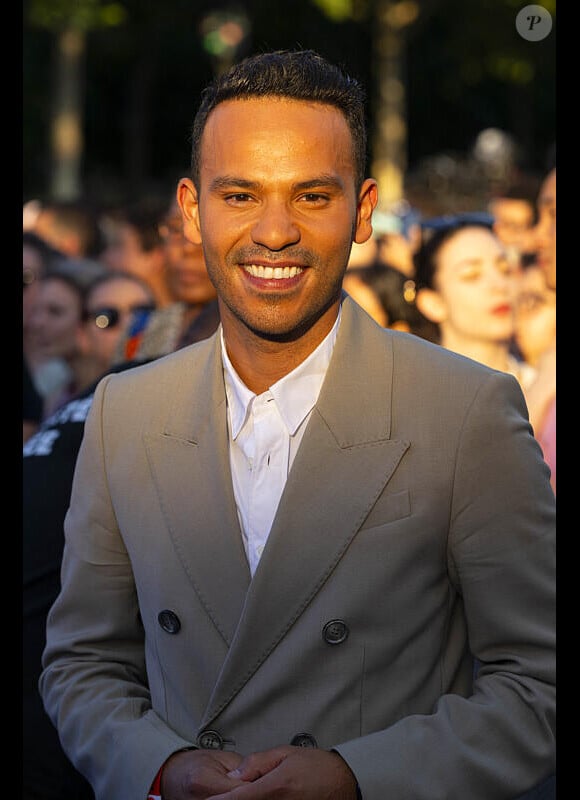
<point>277,213</point>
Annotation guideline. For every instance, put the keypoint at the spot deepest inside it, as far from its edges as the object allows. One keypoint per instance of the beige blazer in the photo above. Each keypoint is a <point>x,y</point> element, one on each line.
<point>417,527</point>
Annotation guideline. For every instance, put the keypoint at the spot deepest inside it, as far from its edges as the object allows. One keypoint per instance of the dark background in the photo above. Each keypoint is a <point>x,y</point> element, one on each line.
<point>465,68</point>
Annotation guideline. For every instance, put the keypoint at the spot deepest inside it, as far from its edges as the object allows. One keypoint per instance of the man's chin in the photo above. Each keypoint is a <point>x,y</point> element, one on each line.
<point>278,333</point>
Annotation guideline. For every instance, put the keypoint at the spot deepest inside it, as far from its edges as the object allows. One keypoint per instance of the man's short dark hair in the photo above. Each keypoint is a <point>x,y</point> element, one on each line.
<point>299,75</point>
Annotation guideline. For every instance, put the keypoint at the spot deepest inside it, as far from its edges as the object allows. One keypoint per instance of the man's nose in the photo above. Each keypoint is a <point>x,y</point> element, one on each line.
<point>275,227</point>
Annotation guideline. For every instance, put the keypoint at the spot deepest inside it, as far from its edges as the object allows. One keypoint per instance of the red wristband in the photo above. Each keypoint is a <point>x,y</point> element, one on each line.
<point>155,790</point>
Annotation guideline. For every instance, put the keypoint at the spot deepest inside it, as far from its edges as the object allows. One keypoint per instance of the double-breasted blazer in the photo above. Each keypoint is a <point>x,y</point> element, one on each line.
<point>416,532</point>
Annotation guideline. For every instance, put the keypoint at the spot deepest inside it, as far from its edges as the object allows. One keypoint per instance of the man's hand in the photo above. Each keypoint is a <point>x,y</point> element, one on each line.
<point>295,773</point>
<point>199,774</point>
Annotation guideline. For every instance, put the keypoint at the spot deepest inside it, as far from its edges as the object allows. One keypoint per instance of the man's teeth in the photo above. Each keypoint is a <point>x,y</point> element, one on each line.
<point>259,271</point>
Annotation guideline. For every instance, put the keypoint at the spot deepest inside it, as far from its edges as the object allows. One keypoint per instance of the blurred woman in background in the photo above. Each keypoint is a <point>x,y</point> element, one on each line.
<point>467,284</point>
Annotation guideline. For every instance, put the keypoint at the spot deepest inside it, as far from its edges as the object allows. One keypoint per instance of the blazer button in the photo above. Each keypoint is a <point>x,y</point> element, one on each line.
<point>210,740</point>
<point>169,621</point>
<point>304,740</point>
<point>335,632</point>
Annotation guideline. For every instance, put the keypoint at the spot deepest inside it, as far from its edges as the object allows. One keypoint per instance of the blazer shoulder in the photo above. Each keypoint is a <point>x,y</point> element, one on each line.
<point>424,352</point>
<point>191,358</point>
<point>412,364</point>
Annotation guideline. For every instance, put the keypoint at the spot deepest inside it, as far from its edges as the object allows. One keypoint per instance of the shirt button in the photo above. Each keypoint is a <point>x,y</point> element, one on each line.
<point>335,632</point>
<point>169,621</point>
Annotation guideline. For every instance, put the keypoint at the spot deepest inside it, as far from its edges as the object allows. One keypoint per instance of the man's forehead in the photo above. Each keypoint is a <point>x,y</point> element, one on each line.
<point>277,110</point>
<point>277,129</point>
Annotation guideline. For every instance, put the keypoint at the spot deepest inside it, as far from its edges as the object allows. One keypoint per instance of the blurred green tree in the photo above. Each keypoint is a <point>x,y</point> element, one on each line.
<point>69,21</point>
<point>128,74</point>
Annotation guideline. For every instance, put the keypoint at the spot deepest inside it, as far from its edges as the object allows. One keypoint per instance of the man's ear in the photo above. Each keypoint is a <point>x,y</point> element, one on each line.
<point>431,305</point>
<point>367,201</point>
<point>188,203</point>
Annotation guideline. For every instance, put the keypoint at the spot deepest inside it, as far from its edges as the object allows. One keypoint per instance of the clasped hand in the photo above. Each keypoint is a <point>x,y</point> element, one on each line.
<point>292,773</point>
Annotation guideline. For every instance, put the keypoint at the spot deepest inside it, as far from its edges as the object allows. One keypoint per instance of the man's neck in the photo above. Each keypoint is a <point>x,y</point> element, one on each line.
<point>261,362</point>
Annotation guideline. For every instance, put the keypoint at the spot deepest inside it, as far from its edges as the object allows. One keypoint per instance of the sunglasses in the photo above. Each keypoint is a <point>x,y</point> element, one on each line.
<point>109,317</point>
<point>28,276</point>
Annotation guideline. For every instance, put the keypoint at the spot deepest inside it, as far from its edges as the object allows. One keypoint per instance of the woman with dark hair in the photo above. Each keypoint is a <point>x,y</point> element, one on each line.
<point>467,285</point>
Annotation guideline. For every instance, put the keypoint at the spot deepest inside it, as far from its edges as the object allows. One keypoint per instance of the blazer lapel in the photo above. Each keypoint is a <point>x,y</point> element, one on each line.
<point>344,462</point>
<point>190,465</point>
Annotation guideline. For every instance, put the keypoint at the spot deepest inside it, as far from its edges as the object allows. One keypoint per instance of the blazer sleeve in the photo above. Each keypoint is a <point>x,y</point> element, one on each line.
<point>500,741</point>
<point>94,682</point>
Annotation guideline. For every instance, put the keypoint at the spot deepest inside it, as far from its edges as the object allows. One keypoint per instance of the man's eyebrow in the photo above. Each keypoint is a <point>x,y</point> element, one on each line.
<point>234,182</point>
<point>231,181</point>
<point>320,181</point>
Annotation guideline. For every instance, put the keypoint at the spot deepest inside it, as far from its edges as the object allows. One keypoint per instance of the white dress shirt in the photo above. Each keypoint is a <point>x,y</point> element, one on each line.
<point>265,432</point>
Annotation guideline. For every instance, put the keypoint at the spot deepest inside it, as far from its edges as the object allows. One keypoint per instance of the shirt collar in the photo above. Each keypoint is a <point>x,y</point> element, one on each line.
<point>295,394</point>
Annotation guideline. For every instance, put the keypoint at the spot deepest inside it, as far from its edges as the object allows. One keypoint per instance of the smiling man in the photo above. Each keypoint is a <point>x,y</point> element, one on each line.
<point>276,241</point>
<point>288,544</point>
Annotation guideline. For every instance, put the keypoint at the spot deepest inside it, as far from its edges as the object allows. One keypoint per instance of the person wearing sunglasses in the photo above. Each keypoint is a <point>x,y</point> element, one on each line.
<point>116,303</point>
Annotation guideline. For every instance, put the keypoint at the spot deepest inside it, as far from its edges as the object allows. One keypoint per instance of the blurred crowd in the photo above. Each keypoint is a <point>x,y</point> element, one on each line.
<point>107,290</point>
<point>480,283</point>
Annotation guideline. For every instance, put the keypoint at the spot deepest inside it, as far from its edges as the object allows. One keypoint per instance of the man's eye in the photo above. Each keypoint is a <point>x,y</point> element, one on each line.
<point>314,197</point>
<point>240,197</point>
